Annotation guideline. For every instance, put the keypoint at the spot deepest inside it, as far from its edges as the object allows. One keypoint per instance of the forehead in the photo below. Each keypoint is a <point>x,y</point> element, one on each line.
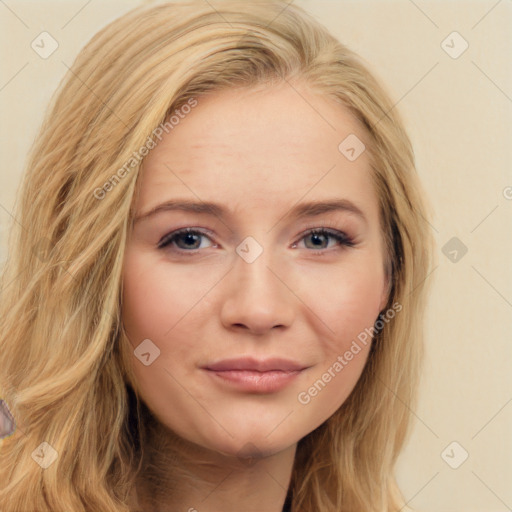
<point>253,147</point>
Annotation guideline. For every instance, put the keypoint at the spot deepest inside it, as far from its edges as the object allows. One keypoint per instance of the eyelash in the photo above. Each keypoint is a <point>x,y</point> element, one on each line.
<point>342,239</point>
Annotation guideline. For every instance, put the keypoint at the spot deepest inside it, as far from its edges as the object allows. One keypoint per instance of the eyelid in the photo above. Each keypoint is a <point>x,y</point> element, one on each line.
<point>323,223</point>
<point>327,225</point>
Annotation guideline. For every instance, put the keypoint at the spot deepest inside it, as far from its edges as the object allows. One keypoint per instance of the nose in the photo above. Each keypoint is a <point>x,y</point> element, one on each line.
<point>257,298</point>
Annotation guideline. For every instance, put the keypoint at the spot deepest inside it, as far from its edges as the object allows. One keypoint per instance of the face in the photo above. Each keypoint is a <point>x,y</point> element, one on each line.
<point>255,262</point>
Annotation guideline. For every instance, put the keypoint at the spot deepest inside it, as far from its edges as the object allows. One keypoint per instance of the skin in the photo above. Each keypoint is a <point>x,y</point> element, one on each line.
<point>256,152</point>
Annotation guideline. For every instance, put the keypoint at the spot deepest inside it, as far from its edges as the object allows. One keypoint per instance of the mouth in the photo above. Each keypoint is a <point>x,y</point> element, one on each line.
<point>256,376</point>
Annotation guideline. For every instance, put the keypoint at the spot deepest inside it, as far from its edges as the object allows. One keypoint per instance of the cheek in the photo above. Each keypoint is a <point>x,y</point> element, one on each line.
<point>347,301</point>
<point>156,296</point>
<point>152,308</point>
<point>347,310</point>
<point>160,304</point>
<point>347,304</point>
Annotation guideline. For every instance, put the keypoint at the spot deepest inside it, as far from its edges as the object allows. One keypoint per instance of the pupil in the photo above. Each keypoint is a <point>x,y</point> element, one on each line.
<point>189,239</point>
<point>317,239</point>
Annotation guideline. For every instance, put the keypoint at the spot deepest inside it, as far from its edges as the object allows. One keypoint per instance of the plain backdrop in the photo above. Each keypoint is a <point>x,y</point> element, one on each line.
<point>457,106</point>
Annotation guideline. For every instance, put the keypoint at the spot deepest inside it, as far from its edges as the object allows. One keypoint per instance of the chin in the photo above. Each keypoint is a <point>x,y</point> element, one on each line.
<point>244,446</point>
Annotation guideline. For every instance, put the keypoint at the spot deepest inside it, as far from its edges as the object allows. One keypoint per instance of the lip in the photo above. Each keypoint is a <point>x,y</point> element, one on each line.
<point>257,365</point>
<point>256,376</point>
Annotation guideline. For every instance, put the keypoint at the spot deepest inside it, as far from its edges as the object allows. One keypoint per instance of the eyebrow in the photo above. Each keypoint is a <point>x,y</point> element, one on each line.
<point>302,210</point>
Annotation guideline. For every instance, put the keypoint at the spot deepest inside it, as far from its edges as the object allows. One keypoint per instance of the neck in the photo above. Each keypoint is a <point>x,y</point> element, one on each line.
<point>191,478</point>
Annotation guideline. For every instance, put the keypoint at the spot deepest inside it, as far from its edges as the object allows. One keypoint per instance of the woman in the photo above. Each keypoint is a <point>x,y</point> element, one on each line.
<point>217,290</point>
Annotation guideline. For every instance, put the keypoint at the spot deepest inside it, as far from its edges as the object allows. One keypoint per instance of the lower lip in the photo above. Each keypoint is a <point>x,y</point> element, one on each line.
<point>256,382</point>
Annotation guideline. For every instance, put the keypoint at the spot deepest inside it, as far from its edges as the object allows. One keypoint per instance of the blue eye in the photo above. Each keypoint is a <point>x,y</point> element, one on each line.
<point>190,239</point>
<point>320,237</point>
<point>184,239</point>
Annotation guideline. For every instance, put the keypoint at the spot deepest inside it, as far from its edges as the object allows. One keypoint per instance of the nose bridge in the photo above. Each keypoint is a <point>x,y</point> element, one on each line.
<point>253,269</point>
<point>257,298</point>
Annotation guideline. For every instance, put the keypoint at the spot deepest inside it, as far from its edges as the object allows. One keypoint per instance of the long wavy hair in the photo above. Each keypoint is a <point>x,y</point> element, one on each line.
<point>64,368</point>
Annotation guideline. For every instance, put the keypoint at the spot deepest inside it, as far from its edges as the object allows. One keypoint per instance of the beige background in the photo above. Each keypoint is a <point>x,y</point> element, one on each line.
<point>458,112</point>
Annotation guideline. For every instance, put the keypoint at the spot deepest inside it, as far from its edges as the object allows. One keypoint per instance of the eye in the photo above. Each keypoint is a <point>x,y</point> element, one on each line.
<point>187,239</point>
<point>320,237</point>
<point>190,240</point>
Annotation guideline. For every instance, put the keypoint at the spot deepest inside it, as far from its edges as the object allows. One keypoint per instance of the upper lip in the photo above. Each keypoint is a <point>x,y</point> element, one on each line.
<point>259,365</point>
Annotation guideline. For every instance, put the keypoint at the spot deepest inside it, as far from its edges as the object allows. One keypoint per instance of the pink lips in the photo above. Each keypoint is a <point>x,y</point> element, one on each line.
<point>257,376</point>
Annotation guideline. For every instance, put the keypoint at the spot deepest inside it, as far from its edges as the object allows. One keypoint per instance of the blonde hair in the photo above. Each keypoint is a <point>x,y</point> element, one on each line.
<point>63,369</point>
